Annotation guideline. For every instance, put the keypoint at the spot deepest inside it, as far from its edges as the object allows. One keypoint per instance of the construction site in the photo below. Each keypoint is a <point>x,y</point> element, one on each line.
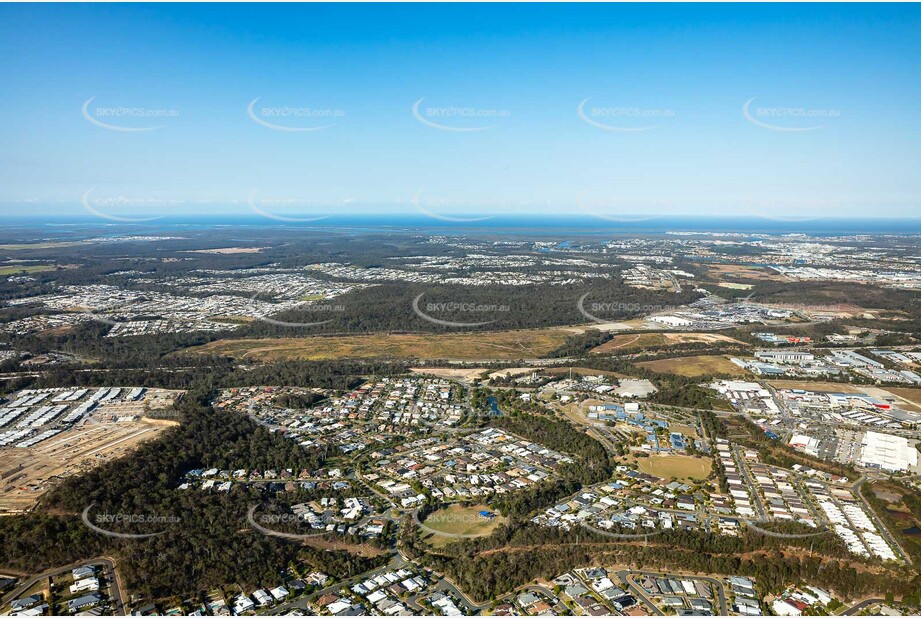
<point>51,434</point>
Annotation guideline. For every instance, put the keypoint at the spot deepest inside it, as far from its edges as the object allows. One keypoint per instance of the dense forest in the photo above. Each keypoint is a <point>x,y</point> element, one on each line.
<point>389,307</point>
<point>518,553</point>
<point>337,374</point>
<point>488,574</point>
<point>205,540</point>
<point>714,429</point>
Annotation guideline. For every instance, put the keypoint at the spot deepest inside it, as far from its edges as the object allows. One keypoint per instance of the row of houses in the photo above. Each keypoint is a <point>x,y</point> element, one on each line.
<point>481,464</point>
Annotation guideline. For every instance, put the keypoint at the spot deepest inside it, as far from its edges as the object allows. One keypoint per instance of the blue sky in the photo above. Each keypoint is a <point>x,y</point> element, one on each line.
<point>833,128</point>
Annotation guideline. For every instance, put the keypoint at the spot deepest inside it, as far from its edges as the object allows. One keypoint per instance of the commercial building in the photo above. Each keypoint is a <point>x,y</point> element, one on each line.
<point>894,453</point>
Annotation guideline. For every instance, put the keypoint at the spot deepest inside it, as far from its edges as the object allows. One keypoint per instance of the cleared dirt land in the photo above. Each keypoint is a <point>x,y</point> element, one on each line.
<point>450,373</point>
<point>511,371</point>
<point>694,366</point>
<point>678,466</point>
<point>741,271</point>
<point>498,345</point>
<point>640,341</point>
<point>459,519</point>
<point>912,395</point>
<point>577,412</point>
<point>110,432</point>
<point>28,473</point>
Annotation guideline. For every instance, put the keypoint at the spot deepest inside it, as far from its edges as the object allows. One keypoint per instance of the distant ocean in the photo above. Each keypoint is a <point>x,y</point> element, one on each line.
<point>541,225</point>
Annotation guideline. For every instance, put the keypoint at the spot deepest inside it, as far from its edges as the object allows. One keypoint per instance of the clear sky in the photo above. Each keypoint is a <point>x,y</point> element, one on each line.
<point>833,128</point>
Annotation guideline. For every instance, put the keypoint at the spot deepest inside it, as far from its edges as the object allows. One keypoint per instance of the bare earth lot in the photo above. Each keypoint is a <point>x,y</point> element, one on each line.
<point>28,473</point>
<point>679,466</point>
<point>639,341</point>
<point>228,250</point>
<point>912,395</point>
<point>451,373</point>
<point>582,371</point>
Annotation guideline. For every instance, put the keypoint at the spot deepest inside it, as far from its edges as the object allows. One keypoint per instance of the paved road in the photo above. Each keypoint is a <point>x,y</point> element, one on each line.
<point>397,562</point>
<point>879,524</point>
<point>638,592</point>
<point>854,609</point>
<point>111,575</point>
<point>742,465</point>
<point>358,477</point>
<point>446,585</point>
<point>717,585</point>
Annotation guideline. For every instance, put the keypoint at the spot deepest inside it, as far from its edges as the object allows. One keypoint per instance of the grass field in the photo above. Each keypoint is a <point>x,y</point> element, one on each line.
<point>909,394</point>
<point>15,269</point>
<point>499,345</point>
<point>39,245</point>
<point>459,519</point>
<point>684,430</point>
<point>694,366</point>
<point>231,319</point>
<point>639,341</point>
<point>678,466</point>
